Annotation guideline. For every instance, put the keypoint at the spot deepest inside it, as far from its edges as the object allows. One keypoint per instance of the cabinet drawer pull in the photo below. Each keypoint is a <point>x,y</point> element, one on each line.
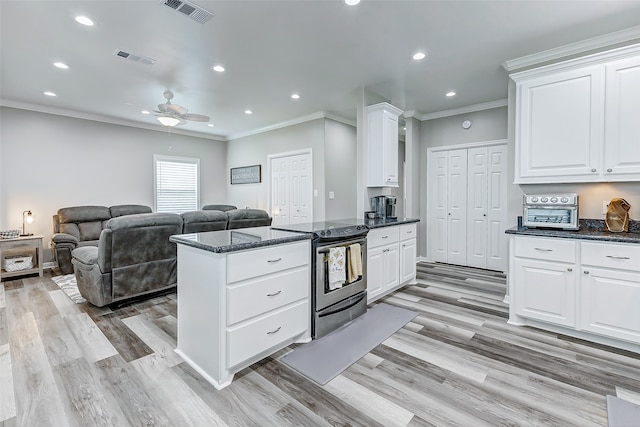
<point>617,257</point>
<point>274,331</point>
<point>385,237</point>
<point>274,260</point>
<point>593,170</point>
<point>274,294</point>
<point>409,231</point>
<point>586,272</point>
<point>609,170</point>
<point>385,250</point>
<point>543,249</point>
<point>569,269</point>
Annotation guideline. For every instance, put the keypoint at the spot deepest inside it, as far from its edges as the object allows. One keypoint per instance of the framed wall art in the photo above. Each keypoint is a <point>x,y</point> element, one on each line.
<point>246,174</point>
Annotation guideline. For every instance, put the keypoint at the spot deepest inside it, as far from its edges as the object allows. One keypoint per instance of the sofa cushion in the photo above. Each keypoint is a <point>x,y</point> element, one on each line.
<point>121,210</point>
<point>83,222</point>
<point>222,208</point>
<point>244,218</point>
<point>87,255</point>
<point>201,221</point>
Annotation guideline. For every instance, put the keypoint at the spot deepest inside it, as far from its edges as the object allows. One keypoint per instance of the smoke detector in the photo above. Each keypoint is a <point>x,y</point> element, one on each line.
<point>189,10</point>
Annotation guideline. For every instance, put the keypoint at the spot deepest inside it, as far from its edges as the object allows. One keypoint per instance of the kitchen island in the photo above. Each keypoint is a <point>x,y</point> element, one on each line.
<point>242,295</point>
<point>583,283</point>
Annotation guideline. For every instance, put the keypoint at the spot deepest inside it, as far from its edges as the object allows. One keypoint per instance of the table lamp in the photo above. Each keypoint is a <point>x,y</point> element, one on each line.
<point>27,217</point>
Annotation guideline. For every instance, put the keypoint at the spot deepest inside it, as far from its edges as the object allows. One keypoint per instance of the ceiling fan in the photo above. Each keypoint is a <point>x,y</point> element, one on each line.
<point>173,114</point>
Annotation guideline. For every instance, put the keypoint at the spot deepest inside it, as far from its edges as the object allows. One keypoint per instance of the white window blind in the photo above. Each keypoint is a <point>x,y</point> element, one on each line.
<point>177,184</point>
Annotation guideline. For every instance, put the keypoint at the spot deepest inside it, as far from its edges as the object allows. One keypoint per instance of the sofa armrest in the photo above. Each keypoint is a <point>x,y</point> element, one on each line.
<point>61,238</point>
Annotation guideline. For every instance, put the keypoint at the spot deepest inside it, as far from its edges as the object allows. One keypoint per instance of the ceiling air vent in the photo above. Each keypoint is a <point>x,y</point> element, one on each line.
<point>135,58</point>
<point>189,9</point>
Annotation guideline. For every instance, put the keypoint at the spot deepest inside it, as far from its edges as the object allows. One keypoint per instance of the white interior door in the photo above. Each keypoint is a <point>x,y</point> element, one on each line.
<point>497,242</point>
<point>477,219</point>
<point>437,212</point>
<point>291,188</point>
<point>457,208</point>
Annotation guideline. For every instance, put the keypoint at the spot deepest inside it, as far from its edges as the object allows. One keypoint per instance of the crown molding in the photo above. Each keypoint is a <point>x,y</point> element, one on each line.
<point>583,46</point>
<point>463,110</point>
<point>287,123</point>
<point>105,119</point>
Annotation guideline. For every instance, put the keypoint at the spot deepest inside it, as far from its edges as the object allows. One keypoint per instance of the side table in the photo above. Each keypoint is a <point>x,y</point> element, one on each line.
<point>22,244</point>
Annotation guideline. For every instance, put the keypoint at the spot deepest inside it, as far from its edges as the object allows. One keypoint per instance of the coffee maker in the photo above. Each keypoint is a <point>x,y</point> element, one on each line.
<point>384,207</point>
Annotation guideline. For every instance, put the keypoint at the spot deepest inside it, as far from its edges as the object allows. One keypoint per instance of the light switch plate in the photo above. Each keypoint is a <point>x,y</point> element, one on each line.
<point>332,195</point>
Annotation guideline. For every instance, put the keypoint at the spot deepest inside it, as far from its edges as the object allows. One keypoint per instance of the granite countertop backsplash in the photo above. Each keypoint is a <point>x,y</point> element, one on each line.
<point>590,229</point>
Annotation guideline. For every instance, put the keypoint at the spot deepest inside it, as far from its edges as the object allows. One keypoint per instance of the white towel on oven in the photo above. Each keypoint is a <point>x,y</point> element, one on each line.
<point>337,271</point>
<point>354,262</point>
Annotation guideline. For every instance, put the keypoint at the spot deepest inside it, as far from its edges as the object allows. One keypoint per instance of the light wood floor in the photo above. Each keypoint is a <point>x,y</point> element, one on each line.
<point>457,363</point>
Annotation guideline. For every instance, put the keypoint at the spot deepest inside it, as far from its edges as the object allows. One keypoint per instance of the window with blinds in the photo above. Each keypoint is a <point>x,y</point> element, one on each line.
<point>177,184</point>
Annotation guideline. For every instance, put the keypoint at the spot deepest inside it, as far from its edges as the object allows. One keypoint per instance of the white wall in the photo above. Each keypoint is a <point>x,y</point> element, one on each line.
<point>333,146</point>
<point>487,125</point>
<point>340,170</point>
<point>49,162</point>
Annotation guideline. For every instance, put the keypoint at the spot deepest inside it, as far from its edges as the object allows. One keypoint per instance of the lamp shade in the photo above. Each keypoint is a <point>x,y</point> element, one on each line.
<point>169,121</point>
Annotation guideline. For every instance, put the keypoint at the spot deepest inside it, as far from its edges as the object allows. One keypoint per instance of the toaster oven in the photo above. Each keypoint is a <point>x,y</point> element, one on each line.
<point>551,211</point>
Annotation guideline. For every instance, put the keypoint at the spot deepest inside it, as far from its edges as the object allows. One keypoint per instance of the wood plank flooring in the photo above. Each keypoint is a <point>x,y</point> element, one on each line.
<point>457,363</point>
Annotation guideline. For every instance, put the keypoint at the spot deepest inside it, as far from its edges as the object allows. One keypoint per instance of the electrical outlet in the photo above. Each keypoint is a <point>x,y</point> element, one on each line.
<point>605,207</point>
<point>332,195</point>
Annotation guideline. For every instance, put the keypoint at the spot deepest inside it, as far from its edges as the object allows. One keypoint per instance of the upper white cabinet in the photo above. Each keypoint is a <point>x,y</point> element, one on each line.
<point>574,120</point>
<point>382,145</point>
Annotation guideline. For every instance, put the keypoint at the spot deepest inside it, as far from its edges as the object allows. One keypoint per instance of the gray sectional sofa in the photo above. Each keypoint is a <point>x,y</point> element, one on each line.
<point>124,251</point>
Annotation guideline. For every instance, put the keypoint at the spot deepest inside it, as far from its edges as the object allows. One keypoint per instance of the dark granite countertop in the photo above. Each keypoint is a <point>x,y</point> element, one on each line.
<point>377,223</point>
<point>590,229</point>
<point>224,241</point>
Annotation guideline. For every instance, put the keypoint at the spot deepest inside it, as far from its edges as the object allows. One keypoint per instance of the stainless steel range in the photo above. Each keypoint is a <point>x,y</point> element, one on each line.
<point>339,272</point>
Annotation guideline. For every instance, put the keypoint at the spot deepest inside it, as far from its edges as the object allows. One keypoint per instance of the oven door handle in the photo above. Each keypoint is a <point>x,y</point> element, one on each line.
<point>361,242</point>
<point>341,306</point>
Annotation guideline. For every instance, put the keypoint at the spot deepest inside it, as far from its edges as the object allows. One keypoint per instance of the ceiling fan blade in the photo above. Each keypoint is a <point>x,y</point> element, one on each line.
<point>178,109</point>
<point>163,107</point>
<point>196,117</point>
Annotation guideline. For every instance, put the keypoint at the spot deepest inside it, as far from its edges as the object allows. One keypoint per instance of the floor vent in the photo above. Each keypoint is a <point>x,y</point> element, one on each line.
<point>135,58</point>
<point>189,10</point>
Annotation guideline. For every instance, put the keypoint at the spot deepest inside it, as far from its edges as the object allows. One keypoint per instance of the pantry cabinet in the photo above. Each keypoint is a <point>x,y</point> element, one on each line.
<point>575,120</point>
<point>382,145</point>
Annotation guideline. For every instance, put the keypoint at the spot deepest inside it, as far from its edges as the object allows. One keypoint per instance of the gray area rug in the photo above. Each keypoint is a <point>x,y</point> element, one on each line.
<point>323,359</point>
<point>69,286</point>
<point>622,413</point>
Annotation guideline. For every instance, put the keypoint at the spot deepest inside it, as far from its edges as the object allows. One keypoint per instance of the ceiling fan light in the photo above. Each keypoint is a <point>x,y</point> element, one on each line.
<point>169,121</point>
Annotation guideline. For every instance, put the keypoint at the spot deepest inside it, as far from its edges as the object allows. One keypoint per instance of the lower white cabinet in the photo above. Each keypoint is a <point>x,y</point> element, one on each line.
<point>237,308</point>
<point>582,288</point>
<point>391,259</point>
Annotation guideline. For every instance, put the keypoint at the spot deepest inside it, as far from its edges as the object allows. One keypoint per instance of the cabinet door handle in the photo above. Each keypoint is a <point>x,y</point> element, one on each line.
<point>274,260</point>
<point>274,294</point>
<point>274,331</point>
<point>586,272</point>
<point>543,249</point>
<point>617,257</point>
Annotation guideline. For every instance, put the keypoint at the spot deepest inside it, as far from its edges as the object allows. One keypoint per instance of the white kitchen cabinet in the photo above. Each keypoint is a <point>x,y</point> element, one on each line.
<point>611,290</point>
<point>582,288</point>
<point>239,307</point>
<point>382,145</point>
<point>391,259</point>
<point>467,189</point>
<point>574,120</point>
<point>544,270</point>
<point>408,252</point>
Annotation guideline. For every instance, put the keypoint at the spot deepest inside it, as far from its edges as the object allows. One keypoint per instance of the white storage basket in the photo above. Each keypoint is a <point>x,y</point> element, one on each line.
<point>18,263</point>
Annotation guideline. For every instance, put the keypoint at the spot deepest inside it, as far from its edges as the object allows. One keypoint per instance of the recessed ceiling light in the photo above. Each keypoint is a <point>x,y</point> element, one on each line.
<point>48,93</point>
<point>218,68</point>
<point>248,112</point>
<point>84,21</point>
<point>145,112</point>
<point>419,55</point>
<point>210,125</point>
<point>352,2</point>
<point>450,94</point>
<point>295,96</point>
<point>60,65</point>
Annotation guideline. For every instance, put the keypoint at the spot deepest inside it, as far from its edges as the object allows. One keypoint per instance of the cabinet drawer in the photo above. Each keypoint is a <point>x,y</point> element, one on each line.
<point>611,255</point>
<point>383,236</point>
<point>408,231</point>
<point>562,250</point>
<point>264,333</point>
<point>259,296</point>
<point>259,262</point>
